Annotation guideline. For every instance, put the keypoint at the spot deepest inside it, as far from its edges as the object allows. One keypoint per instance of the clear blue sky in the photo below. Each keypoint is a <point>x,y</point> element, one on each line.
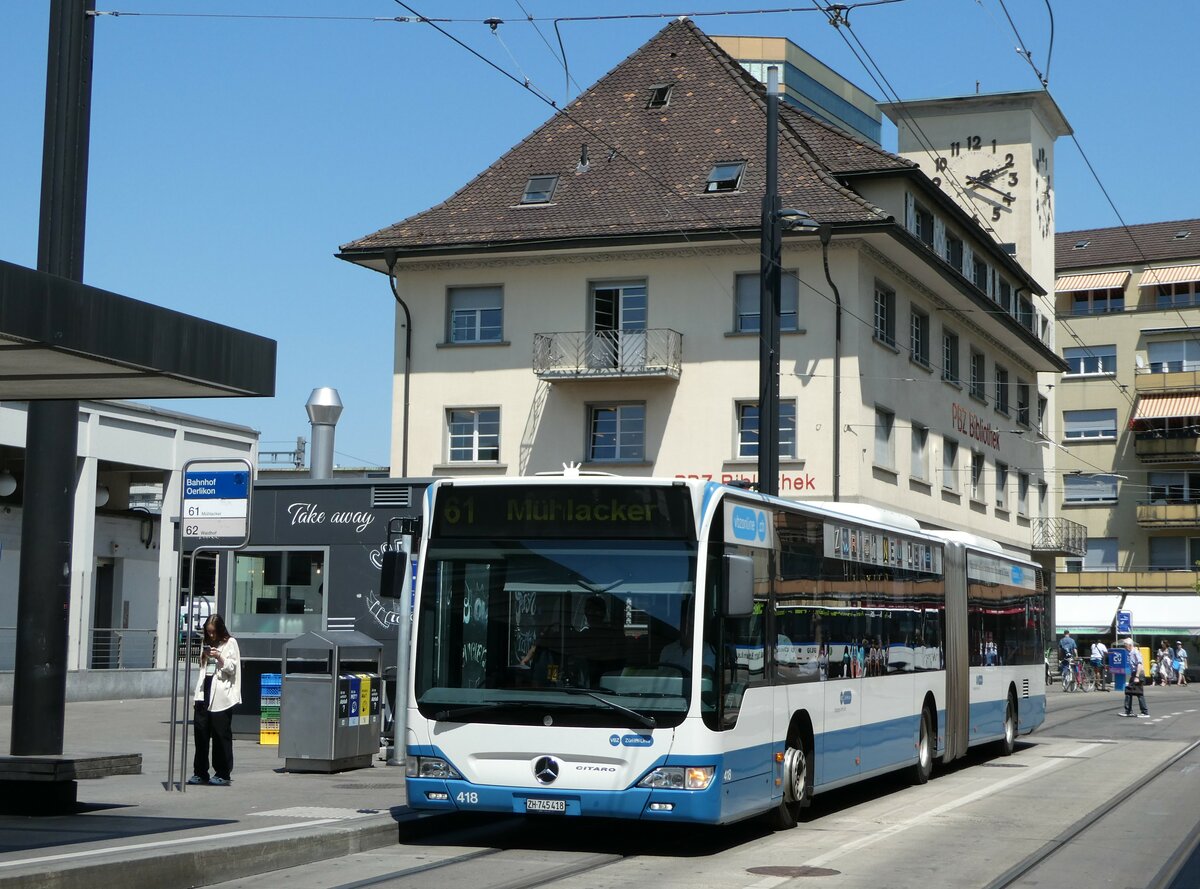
<point>230,157</point>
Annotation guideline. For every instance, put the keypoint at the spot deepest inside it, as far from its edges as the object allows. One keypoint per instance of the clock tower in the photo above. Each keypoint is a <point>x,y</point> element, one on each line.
<point>993,154</point>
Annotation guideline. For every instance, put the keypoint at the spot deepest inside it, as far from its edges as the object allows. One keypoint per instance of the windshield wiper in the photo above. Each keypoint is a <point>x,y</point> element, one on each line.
<point>643,719</point>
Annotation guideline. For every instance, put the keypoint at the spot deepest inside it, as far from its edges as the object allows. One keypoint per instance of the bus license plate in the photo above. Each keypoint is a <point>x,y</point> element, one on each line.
<point>545,805</point>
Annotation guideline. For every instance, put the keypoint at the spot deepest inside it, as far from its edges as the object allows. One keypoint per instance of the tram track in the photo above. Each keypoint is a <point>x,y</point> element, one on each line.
<point>463,870</point>
<point>1110,808</point>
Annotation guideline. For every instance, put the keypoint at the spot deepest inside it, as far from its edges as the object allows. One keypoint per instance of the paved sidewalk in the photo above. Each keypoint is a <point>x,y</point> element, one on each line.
<point>129,831</point>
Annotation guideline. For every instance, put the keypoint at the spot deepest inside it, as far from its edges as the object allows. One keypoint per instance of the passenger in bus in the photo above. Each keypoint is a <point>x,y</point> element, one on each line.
<point>679,653</point>
<point>601,642</point>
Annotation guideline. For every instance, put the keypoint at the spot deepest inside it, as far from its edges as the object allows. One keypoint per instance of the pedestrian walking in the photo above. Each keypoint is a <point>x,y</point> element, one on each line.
<point>1135,672</point>
<point>1164,659</point>
<point>1099,661</point>
<point>1180,664</point>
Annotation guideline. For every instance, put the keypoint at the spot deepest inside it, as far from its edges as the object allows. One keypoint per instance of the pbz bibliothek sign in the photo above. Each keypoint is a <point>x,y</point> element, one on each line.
<point>215,509</point>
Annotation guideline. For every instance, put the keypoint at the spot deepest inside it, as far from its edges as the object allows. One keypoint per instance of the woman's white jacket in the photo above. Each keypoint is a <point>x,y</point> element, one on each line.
<point>227,682</point>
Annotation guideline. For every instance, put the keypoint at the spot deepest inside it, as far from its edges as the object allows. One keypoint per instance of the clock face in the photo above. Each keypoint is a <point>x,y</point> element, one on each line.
<point>983,172</point>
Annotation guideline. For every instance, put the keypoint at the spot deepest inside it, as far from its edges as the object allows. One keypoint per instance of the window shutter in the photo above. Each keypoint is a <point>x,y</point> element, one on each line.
<point>910,212</point>
<point>968,266</point>
<point>939,236</point>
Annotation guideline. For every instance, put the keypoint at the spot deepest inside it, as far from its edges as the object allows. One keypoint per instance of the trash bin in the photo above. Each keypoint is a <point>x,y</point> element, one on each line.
<point>330,715</point>
<point>1118,666</point>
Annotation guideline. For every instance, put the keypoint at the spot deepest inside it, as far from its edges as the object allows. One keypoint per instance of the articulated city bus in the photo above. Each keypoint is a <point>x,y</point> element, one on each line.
<point>675,650</point>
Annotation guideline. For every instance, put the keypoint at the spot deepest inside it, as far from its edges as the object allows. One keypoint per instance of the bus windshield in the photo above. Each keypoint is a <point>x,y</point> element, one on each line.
<point>580,632</point>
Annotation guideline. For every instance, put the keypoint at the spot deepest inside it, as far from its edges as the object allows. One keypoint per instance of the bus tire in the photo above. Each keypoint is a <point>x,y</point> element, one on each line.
<point>923,769</point>
<point>1009,742</point>
<point>797,787</point>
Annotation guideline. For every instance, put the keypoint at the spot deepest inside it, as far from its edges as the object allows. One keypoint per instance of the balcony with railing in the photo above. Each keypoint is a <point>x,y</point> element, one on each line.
<point>1157,442</point>
<point>1058,536</point>
<point>1169,514</point>
<point>1167,376</point>
<point>608,354</point>
<point>1130,581</point>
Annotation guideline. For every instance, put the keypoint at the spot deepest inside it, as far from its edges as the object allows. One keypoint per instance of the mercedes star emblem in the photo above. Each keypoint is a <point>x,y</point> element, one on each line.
<point>545,769</point>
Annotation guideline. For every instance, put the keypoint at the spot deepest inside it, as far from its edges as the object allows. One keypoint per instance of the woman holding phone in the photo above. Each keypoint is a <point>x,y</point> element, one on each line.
<point>218,689</point>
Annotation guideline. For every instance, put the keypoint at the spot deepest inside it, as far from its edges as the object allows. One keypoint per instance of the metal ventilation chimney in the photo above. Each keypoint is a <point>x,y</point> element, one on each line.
<point>324,407</point>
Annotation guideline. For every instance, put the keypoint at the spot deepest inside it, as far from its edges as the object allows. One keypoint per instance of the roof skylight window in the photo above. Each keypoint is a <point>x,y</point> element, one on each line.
<point>660,95</point>
<point>1079,245</point>
<point>725,177</point>
<point>1182,235</point>
<point>539,189</point>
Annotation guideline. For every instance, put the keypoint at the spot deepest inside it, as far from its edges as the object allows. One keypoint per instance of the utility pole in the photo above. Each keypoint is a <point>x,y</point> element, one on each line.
<point>48,501</point>
<point>768,303</point>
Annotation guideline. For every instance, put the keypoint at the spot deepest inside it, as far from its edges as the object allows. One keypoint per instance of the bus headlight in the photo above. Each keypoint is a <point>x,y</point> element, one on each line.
<point>679,778</point>
<point>429,767</point>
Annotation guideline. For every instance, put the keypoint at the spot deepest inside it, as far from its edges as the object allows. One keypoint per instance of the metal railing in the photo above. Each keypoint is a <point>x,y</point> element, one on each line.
<point>1058,535</point>
<point>608,354</point>
<point>119,649</point>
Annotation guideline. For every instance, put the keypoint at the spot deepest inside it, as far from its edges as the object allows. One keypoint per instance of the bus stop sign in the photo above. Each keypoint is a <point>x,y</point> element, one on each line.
<point>1124,623</point>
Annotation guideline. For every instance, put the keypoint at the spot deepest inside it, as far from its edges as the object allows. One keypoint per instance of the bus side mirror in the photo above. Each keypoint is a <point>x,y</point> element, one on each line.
<point>737,585</point>
<point>393,574</point>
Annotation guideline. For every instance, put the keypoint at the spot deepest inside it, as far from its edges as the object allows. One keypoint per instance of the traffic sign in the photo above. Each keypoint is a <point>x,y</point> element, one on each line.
<point>1124,623</point>
<point>215,509</point>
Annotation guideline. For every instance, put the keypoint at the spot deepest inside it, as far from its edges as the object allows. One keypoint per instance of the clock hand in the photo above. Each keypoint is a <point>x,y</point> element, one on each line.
<point>989,175</point>
<point>978,183</point>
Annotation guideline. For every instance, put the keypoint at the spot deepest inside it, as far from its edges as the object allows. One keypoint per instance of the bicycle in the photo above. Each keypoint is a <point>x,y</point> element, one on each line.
<point>1079,676</point>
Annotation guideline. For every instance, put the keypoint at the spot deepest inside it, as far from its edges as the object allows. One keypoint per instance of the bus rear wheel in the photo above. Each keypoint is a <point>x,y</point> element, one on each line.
<point>923,769</point>
<point>1009,742</point>
<point>797,789</point>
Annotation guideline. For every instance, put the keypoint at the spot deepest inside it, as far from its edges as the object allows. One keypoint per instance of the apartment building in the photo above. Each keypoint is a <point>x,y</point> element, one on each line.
<point>1128,433</point>
<point>592,297</point>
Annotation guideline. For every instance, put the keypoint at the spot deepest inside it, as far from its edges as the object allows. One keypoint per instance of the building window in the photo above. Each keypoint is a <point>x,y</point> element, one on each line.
<point>747,420</point>
<point>725,177</point>
<point>977,375</point>
<point>1177,296</point>
<point>1022,403</point>
<point>476,314</point>
<point>1001,486</point>
<point>1022,494</point>
<point>919,464</point>
<point>950,356</point>
<point>977,476</point>
<point>1173,356</point>
<point>617,432</point>
<point>660,95</point>
<point>1174,553</point>
<point>1043,493</point>
<point>979,273</point>
<point>1101,554</point>
<point>474,435</point>
<point>1042,404</point>
<point>885,315</point>
<point>1097,424</point>
<point>1174,487</point>
<point>1002,390</point>
<point>885,455</point>
<point>1025,315</point>
<point>278,592</point>
<point>748,299</point>
<point>949,464</point>
<point>539,189</point>
<point>919,331</point>
<point>924,220</point>
<point>1089,488</point>
<point>1097,302</point>
<point>1006,297</point>
<point>954,252</point>
<point>1090,360</point>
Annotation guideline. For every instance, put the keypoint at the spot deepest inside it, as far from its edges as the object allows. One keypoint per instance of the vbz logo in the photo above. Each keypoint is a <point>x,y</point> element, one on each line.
<point>847,697</point>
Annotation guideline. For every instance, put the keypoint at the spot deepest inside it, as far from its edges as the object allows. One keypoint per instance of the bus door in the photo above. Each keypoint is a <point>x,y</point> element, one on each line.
<point>838,751</point>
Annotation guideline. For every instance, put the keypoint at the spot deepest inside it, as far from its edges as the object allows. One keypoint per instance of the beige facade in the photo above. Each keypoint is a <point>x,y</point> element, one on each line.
<point>1127,428</point>
<point>691,407</point>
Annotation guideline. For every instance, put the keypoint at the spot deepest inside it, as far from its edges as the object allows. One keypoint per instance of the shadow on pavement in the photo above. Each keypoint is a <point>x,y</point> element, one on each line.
<point>22,833</point>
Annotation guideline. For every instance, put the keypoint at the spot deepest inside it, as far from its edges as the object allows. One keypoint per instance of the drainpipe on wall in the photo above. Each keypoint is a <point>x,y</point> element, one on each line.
<point>390,259</point>
<point>825,233</point>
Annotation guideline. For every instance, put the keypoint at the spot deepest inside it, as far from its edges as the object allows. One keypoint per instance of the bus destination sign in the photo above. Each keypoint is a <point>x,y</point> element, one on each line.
<point>216,508</point>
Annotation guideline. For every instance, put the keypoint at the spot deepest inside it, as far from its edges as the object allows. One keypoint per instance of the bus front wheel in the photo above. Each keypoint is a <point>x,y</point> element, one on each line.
<point>797,788</point>
<point>923,769</point>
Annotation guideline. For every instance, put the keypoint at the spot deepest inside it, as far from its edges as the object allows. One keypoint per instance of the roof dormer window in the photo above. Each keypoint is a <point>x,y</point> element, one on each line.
<point>660,95</point>
<point>539,189</point>
<point>725,177</point>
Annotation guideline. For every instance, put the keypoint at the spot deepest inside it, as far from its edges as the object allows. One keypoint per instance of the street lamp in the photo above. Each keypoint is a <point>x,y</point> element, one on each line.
<point>774,220</point>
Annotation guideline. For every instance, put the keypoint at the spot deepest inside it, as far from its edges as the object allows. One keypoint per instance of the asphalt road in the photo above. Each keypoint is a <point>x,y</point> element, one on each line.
<point>1090,800</point>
